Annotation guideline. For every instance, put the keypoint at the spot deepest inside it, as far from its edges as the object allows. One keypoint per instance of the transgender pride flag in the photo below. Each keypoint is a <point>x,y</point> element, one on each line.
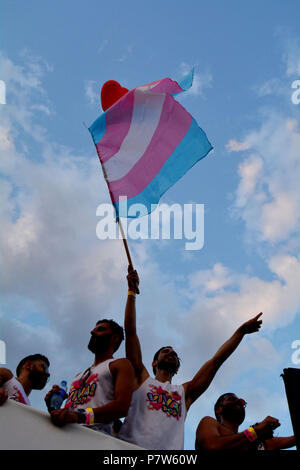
<point>147,141</point>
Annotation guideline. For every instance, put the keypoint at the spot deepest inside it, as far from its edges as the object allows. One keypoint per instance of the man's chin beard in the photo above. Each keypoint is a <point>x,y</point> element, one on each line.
<point>39,386</point>
<point>37,382</point>
<point>234,416</point>
<point>98,347</point>
<point>167,366</point>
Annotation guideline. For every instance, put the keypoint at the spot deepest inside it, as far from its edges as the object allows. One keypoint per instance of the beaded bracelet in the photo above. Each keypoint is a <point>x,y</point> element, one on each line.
<point>250,434</point>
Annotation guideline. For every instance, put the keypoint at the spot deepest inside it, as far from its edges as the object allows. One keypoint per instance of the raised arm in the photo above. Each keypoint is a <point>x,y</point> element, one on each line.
<point>5,375</point>
<point>132,342</point>
<point>123,374</point>
<point>205,375</point>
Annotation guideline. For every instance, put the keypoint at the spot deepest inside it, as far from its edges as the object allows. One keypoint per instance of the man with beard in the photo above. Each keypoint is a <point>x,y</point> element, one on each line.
<point>32,374</point>
<point>158,409</point>
<point>223,433</point>
<point>102,393</point>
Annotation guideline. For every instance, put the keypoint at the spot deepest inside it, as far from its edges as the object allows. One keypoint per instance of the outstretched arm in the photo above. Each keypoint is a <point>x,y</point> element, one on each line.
<point>277,443</point>
<point>132,342</point>
<point>205,375</point>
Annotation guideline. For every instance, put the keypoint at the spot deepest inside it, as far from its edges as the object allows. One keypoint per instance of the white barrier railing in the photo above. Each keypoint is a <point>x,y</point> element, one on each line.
<point>25,428</point>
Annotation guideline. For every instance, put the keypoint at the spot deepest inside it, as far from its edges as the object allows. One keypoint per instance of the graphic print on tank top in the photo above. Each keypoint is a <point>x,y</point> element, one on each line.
<point>168,402</point>
<point>82,391</point>
<point>16,391</point>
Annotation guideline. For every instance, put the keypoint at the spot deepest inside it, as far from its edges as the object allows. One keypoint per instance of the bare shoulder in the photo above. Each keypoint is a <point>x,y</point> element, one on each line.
<point>208,421</point>
<point>5,374</point>
<point>120,364</point>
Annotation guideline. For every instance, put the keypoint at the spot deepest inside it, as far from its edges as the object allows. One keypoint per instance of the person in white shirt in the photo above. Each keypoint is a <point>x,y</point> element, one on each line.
<point>158,408</point>
<point>101,394</point>
<point>32,374</point>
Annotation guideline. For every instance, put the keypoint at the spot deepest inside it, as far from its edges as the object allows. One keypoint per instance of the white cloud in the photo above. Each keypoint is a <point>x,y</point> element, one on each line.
<point>292,57</point>
<point>274,86</point>
<point>42,108</point>
<point>212,280</point>
<point>280,217</point>
<point>281,86</point>
<point>5,142</point>
<point>24,89</point>
<point>235,146</point>
<point>92,95</point>
<point>125,55</point>
<point>103,45</point>
<point>54,262</point>
<point>267,198</point>
<point>250,171</point>
<point>201,81</point>
<point>238,303</point>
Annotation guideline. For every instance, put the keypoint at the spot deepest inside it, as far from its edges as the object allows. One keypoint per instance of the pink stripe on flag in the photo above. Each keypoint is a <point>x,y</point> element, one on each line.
<point>167,86</point>
<point>173,126</point>
<point>118,120</point>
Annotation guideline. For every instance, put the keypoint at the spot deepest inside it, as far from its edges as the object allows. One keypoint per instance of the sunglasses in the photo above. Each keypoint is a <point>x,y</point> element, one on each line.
<point>84,377</point>
<point>241,400</point>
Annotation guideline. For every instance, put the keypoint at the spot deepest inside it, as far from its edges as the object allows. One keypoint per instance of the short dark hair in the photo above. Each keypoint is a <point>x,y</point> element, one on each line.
<point>156,357</point>
<point>219,403</point>
<point>116,329</point>
<point>32,358</point>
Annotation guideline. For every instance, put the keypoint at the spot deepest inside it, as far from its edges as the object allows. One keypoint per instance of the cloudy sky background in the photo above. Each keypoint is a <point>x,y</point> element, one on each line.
<point>57,278</point>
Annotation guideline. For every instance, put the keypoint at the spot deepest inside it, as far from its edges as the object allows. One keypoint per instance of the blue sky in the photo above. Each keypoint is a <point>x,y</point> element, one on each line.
<point>58,278</point>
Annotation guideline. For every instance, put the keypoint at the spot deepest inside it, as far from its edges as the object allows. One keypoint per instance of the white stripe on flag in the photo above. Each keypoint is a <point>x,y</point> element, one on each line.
<point>148,87</point>
<point>146,114</point>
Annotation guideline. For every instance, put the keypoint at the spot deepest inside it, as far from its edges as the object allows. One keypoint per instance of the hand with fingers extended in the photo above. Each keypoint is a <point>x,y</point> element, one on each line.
<point>54,389</point>
<point>3,396</point>
<point>133,280</point>
<point>251,326</point>
<point>265,428</point>
<point>63,416</point>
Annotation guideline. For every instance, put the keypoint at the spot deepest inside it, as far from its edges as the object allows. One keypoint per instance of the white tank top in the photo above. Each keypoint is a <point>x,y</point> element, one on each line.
<point>156,416</point>
<point>92,391</point>
<point>16,391</point>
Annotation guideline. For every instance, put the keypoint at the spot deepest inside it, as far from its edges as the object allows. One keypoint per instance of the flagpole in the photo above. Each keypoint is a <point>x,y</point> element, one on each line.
<point>125,242</point>
<point>117,218</point>
<point>126,249</point>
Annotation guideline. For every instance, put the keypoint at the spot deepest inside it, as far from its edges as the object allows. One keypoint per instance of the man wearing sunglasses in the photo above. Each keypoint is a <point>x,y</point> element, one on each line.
<point>223,433</point>
<point>31,374</point>
<point>101,394</point>
<point>158,409</point>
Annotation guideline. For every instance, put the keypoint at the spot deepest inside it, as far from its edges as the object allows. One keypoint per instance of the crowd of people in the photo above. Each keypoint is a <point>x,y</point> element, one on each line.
<point>153,408</point>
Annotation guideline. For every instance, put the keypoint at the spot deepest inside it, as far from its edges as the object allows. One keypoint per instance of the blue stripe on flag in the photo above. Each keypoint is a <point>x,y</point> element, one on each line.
<point>193,147</point>
<point>187,81</point>
<point>98,128</point>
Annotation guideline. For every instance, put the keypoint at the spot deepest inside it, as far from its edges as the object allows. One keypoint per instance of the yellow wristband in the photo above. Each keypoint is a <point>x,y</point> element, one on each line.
<point>130,292</point>
<point>91,415</point>
<point>252,430</point>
